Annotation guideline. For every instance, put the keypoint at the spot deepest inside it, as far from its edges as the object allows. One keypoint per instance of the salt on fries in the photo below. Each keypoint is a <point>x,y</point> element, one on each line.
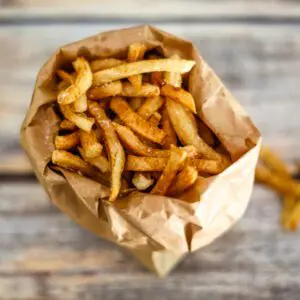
<point>131,125</point>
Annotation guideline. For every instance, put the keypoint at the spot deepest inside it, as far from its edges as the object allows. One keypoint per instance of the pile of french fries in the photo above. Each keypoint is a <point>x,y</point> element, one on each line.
<point>273,172</point>
<point>132,124</point>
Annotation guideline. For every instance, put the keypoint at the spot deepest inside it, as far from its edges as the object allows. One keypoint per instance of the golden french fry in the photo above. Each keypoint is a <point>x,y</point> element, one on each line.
<point>132,143</point>
<point>212,167</point>
<point>70,161</point>
<point>179,95</point>
<point>142,181</point>
<point>171,138</point>
<point>106,63</point>
<point>191,151</point>
<point>157,78</point>
<point>146,90</point>
<point>281,184</point>
<point>136,122</point>
<point>145,164</point>
<point>67,77</point>
<point>80,105</point>
<point>107,90</point>
<point>140,67</point>
<point>65,142</point>
<point>173,78</point>
<point>82,83</point>
<point>135,102</point>
<point>273,161</point>
<point>184,180</point>
<point>155,119</point>
<point>294,217</point>
<point>90,145</point>
<point>185,126</point>
<point>100,162</point>
<point>80,120</point>
<point>150,106</point>
<point>114,148</point>
<point>205,133</point>
<point>174,163</point>
<point>67,125</point>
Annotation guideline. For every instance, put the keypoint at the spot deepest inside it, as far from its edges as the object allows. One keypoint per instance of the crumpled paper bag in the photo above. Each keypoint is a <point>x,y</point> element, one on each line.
<point>158,230</point>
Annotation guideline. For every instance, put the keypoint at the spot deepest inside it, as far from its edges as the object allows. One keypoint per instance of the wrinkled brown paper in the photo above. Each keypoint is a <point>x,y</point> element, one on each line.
<point>159,231</point>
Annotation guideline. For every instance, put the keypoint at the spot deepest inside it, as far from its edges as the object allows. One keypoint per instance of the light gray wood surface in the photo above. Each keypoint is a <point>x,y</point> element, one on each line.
<point>254,47</point>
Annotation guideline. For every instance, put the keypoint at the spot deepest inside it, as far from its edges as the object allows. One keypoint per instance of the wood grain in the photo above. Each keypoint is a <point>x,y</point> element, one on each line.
<point>259,63</point>
<point>44,255</point>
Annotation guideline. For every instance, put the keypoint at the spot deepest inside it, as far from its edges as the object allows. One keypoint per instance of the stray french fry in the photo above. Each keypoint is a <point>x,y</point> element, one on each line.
<point>91,147</point>
<point>80,105</point>
<point>173,78</point>
<point>288,206</point>
<point>81,84</point>
<point>146,90</point>
<point>184,180</point>
<point>150,106</point>
<point>80,120</point>
<point>273,161</point>
<point>107,90</point>
<point>140,67</point>
<point>294,217</point>
<point>65,142</point>
<point>155,119</point>
<point>142,181</point>
<point>114,148</point>
<point>205,133</point>
<point>185,126</point>
<point>70,161</point>
<point>131,142</point>
<point>174,163</point>
<point>135,102</point>
<point>136,122</point>
<point>106,63</point>
<point>171,138</point>
<point>67,125</point>
<point>99,162</point>
<point>180,95</point>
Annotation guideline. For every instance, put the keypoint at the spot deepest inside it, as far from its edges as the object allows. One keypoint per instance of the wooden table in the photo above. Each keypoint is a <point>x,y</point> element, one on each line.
<point>255,48</point>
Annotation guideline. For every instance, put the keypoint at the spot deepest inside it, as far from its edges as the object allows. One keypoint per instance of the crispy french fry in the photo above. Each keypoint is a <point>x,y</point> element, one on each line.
<point>135,102</point>
<point>132,143</point>
<point>273,161</point>
<point>67,77</point>
<point>146,90</point>
<point>100,162</point>
<point>145,164</point>
<point>173,78</point>
<point>65,142</point>
<point>150,106</point>
<point>179,95</point>
<point>205,133</point>
<point>212,167</point>
<point>90,145</point>
<point>171,138</point>
<point>184,180</point>
<point>106,63</point>
<point>70,161</point>
<point>114,148</point>
<point>81,84</point>
<point>142,181</point>
<point>136,122</point>
<point>67,125</point>
<point>140,67</point>
<point>191,151</point>
<point>107,90</point>
<point>155,119</point>
<point>80,105</point>
<point>174,163</point>
<point>185,126</point>
<point>80,120</point>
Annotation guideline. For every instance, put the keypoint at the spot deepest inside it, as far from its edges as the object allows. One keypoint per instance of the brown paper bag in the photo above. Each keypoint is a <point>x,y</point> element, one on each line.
<point>159,231</point>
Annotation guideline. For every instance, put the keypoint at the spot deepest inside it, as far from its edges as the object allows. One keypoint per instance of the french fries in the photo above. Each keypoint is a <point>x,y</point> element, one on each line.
<point>173,164</point>
<point>180,95</point>
<point>184,180</point>
<point>66,142</point>
<point>145,120</point>
<point>140,67</point>
<point>135,122</point>
<point>91,147</point>
<point>114,148</point>
<point>82,83</point>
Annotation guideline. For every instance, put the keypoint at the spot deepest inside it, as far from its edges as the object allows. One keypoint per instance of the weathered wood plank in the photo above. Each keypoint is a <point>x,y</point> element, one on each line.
<point>141,10</point>
<point>44,254</point>
<point>259,63</point>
